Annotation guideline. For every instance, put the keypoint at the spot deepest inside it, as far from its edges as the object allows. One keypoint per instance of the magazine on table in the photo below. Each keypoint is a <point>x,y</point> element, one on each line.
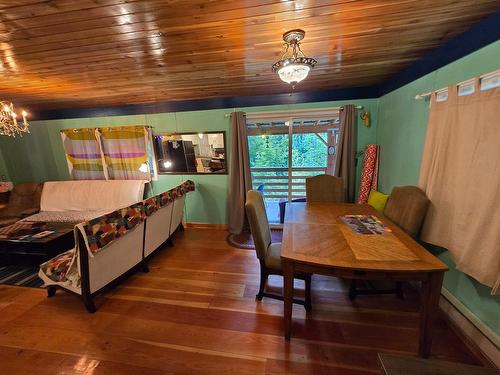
<point>364,224</point>
<point>25,231</point>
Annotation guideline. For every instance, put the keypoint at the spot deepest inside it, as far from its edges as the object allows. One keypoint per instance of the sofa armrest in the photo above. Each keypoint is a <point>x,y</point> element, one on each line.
<point>29,212</point>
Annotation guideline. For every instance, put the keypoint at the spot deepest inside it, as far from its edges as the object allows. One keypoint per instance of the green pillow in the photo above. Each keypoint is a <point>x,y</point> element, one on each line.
<point>377,200</point>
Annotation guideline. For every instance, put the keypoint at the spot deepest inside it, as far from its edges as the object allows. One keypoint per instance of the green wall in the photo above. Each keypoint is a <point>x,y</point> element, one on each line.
<point>39,156</point>
<point>3,167</point>
<point>401,134</point>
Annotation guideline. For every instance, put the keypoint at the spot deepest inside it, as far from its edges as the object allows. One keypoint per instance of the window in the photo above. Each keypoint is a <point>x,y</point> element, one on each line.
<point>490,81</point>
<point>285,149</point>
<point>466,88</point>
<point>442,95</point>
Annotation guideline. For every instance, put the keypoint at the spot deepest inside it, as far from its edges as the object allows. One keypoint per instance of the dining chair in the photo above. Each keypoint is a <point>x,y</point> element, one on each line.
<point>321,188</point>
<point>406,207</point>
<point>325,188</point>
<point>268,253</point>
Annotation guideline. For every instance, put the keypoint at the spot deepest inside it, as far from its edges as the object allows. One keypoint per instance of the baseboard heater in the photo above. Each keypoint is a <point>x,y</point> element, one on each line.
<point>473,330</point>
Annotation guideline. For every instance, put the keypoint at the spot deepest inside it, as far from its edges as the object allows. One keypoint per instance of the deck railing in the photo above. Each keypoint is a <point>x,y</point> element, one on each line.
<point>275,183</point>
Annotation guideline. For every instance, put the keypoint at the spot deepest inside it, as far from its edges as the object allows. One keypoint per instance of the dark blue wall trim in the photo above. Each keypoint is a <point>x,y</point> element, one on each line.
<point>478,36</point>
<point>216,103</point>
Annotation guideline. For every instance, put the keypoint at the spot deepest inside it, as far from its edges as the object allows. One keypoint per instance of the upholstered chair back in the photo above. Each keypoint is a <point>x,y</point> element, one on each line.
<point>325,188</point>
<point>259,225</point>
<point>23,197</point>
<point>407,207</point>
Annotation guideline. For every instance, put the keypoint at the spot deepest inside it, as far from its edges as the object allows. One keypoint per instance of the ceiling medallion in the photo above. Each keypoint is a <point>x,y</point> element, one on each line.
<point>8,121</point>
<point>293,66</point>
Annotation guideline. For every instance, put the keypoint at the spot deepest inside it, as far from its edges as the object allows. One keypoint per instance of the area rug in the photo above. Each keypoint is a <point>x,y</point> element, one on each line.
<point>244,240</point>
<point>20,276</point>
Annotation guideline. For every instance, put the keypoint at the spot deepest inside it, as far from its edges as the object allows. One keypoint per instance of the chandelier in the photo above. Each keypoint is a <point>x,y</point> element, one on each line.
<point>293,66</point>
<point>9,125</point>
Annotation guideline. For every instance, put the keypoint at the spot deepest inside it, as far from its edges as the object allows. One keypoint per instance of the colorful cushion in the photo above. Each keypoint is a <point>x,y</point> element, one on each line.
<point>377,200</point>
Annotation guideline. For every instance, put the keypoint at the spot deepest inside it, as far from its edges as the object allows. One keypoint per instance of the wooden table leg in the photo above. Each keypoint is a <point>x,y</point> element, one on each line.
<point>431,291</point>
<point>288,296</point>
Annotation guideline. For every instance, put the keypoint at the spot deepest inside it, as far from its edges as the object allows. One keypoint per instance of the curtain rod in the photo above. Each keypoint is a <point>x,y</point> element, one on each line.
<point>100,127</point>
<point>298,111</point>
<point>483,76</point>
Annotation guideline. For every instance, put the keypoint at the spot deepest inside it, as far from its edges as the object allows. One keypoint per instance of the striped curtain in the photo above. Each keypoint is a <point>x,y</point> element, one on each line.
<point>125,151</point>
<point>83,154</point>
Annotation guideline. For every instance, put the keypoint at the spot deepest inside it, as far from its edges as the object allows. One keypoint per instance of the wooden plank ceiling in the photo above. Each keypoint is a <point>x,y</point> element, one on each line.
<point>92,53</point>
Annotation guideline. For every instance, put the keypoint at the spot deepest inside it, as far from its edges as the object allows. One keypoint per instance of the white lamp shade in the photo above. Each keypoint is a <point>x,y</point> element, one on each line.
<point>294,73</point>
<point>144,168</point>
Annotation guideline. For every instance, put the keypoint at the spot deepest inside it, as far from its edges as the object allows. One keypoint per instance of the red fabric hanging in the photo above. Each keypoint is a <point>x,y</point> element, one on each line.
<point>369,175</point>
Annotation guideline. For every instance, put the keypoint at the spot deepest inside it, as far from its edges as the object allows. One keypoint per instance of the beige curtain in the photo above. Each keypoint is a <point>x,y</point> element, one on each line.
<point>239,172</point>
<point>345,161</point>
<point>460,173</point>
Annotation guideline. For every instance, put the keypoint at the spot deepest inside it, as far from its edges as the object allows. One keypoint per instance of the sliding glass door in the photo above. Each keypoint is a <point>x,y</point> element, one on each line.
<point>269,164</point>
<point>285,151</point>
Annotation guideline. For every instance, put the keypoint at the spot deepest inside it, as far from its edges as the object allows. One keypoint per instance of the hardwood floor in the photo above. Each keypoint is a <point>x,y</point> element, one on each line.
<point>195,312</point>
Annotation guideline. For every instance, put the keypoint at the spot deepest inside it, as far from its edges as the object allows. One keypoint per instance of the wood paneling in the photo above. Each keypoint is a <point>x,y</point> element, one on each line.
<point>195,312</point>
<point>87,53</point>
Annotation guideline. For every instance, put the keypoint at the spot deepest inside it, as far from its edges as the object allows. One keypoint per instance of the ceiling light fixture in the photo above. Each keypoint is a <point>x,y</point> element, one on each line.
<point>293,66</point>
<point>8,120</point>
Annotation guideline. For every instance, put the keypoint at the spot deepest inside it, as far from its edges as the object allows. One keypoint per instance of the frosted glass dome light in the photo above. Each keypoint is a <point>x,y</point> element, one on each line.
<point>294,73</point>
<point>293,66</point>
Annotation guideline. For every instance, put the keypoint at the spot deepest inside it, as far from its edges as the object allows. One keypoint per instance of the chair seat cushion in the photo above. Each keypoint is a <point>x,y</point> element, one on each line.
<point>273,256</point>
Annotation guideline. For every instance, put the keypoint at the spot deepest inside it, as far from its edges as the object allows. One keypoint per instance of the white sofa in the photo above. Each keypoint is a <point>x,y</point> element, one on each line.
<point>81,200</point>
<point>101,258</point>
<point>159,226</point>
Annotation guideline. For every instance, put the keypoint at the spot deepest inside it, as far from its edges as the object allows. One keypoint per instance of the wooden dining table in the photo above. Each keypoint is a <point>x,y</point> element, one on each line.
<point>317,241</point>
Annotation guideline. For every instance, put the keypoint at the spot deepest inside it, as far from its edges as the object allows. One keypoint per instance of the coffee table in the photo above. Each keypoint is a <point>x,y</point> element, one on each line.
<point>36,251</point>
